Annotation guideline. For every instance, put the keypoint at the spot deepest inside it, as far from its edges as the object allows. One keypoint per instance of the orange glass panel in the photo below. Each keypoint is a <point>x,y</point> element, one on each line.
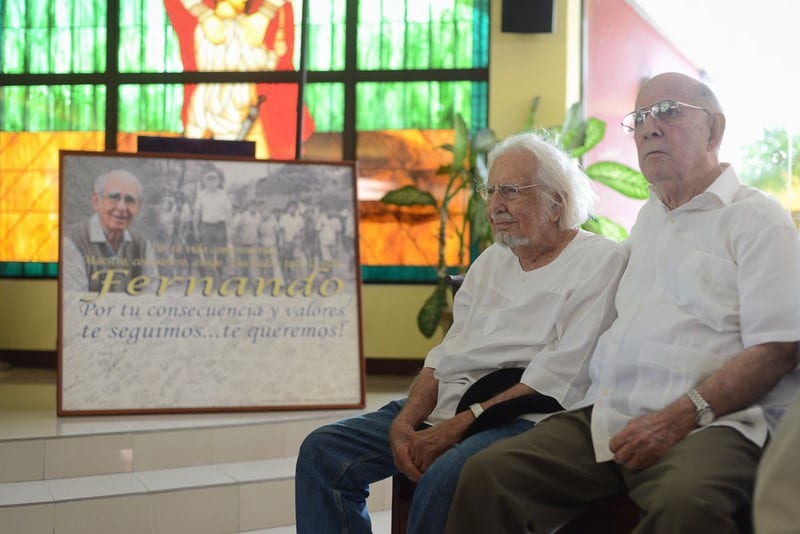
<point>29,191</point>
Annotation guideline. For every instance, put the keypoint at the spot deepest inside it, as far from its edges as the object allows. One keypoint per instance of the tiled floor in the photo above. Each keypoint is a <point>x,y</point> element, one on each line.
<point>28,409</point>
<point>133,456</point>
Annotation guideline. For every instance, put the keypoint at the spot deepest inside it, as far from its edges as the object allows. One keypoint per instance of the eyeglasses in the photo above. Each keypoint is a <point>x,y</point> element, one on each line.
<point>664,111</point>
<point>129,199</point>
<point>507,191</point>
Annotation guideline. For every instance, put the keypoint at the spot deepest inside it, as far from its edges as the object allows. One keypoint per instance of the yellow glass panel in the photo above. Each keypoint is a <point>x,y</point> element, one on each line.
<point>29,191</point>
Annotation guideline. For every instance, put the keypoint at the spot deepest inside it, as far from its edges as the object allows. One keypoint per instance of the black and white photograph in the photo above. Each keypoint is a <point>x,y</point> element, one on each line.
<point>207,284</point>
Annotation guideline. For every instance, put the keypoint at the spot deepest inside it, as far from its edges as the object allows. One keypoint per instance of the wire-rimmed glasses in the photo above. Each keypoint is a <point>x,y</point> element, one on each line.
<point>507,191</point>
<point>664,111</point>
<point>115,197</point>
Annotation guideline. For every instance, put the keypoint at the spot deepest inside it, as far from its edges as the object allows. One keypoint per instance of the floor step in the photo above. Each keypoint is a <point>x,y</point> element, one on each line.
<point>220,498</point>
<point>170,474</point>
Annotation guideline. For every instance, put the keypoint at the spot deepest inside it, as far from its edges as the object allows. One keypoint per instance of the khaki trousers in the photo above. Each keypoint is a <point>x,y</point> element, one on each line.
<point>537,481</point>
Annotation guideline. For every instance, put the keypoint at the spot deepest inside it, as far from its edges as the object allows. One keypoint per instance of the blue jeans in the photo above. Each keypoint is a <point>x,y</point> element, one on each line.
<point>337,462</point>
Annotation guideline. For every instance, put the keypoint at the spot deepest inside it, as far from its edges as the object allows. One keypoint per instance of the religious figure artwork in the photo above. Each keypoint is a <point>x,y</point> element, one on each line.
<point>237,36</point>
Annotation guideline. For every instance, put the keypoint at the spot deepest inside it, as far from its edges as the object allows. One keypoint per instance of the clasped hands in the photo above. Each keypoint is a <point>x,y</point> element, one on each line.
<point>414,451</point>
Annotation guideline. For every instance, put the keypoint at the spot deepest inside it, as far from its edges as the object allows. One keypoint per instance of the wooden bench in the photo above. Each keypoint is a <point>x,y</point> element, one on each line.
<point>612,515</point>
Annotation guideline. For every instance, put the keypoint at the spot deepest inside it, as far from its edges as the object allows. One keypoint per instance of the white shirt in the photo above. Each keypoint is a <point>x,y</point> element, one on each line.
<point>546,320</point>
<point>213,206</point>
<point>704,281</point>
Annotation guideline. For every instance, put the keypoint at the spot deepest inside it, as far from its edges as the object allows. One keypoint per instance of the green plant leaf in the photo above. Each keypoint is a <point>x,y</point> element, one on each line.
<point>479,227</point>
<point>409,195</point>
<point>593,132</point>
<point>532,112</point>
<point>484,141</point>
<point>431,312</point>
<point>572,130</point>
<point>461,143</point>
<point>620,178</point>
<point>603,226</point>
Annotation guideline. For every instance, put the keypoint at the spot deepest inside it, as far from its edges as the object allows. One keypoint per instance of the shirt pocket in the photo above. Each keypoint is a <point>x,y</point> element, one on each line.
<point>706,287</point>
<point>665,372</point>
<point>529,320</point>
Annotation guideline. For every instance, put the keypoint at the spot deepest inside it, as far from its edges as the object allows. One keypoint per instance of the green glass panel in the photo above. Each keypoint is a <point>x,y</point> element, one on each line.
<point>52,108</point>
<point>14,44</point>
<point>147,41</point>
<point>47,37</point>
<point>148,108</point>
<point>326,103</point>
<point>422,34</point>
<point>18,269</point>
<point>427,105</point>
<point>326,34</point>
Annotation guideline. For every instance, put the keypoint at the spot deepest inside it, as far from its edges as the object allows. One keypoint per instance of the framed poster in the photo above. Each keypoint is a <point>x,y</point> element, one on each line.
<point>199,284</point>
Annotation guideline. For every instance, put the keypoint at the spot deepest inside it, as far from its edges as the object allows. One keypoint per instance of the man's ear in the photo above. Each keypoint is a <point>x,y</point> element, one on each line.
<point>716,131</point>
<point>557,209</point>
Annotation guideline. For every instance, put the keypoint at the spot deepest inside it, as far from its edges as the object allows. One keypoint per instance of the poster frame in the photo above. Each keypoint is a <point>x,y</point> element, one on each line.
<point>121,383</point>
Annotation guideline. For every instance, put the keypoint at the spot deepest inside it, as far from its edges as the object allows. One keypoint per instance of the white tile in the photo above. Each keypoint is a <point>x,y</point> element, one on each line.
<point>380,495</point>
<point>68,489</point>
<point>251,442</point>
<point>296,432</point>
<point>184,477</point>
<point>16,493</point>
<point>90,455</point>
<point>266,504</point>
<point>156,450</point>
<point>21,460</point>
<point>37,519</point>
<point>120,515</point>
<point>197,511</point>
<point>381,524</point>
<point>260,470</point>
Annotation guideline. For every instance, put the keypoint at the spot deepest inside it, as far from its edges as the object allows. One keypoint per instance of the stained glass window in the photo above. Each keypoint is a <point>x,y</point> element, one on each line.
<point>384,80</point>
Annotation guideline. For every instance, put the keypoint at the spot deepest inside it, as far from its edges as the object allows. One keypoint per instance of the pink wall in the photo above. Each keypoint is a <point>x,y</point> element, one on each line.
<point>623,49</point>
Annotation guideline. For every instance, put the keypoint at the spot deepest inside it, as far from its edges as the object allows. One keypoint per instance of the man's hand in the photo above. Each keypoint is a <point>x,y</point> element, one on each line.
<point>255,27</point>
<point>647,438</point>
<point>400,434</point>
<point>214,29</point>
<point>427,445</point>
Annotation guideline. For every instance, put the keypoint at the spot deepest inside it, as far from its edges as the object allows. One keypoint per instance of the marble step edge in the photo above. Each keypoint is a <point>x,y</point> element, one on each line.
<point>132,451</point>
<point>145,482</point>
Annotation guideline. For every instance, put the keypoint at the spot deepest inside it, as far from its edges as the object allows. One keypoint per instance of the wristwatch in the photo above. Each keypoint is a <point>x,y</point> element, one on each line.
<point>477,409</point>
<point>704,415</point>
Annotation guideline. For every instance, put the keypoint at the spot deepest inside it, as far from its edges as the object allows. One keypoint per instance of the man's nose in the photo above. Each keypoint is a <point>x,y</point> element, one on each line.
<point>651,126</point>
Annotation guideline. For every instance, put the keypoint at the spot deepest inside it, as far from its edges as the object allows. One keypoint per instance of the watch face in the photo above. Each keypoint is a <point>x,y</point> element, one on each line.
<point>705,417</point>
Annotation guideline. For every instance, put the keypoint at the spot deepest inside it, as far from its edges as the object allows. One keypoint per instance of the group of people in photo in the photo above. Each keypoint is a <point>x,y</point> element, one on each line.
<point>213,232</point>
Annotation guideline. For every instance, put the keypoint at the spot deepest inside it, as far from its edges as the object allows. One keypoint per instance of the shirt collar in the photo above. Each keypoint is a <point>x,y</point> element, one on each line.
<point>725,186</point>
<point>723,190</point>
<point>96,234</point>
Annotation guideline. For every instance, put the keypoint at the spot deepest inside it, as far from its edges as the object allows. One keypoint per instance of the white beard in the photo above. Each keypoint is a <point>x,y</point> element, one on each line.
<point>509,241</point>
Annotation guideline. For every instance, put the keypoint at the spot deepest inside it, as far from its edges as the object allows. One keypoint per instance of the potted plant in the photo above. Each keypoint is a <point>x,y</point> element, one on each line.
<point>465,176</point>
<point>468,173</point>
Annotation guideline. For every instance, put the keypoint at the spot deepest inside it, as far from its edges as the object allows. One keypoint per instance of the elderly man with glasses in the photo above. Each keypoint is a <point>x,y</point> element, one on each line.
<point>532,306</point>
<point>105,240</point>
<point>692,376</point>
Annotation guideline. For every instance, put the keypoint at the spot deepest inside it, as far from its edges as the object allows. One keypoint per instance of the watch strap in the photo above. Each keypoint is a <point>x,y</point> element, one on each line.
<point>476,409</point>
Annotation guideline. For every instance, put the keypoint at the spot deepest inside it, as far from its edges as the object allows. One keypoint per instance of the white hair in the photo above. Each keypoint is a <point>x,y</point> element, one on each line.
<point>563,182</point>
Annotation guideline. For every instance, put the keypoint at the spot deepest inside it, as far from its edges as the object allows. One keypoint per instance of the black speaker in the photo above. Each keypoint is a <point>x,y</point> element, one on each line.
<point>528,16</point>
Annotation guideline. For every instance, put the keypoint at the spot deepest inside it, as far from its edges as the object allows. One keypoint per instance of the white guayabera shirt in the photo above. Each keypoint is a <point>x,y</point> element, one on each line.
<point>704,281</point>
<point>546,320</point>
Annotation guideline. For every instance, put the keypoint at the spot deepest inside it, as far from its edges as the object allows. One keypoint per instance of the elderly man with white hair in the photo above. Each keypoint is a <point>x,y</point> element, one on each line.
<point>106,240</point>
<point>532,306</point>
